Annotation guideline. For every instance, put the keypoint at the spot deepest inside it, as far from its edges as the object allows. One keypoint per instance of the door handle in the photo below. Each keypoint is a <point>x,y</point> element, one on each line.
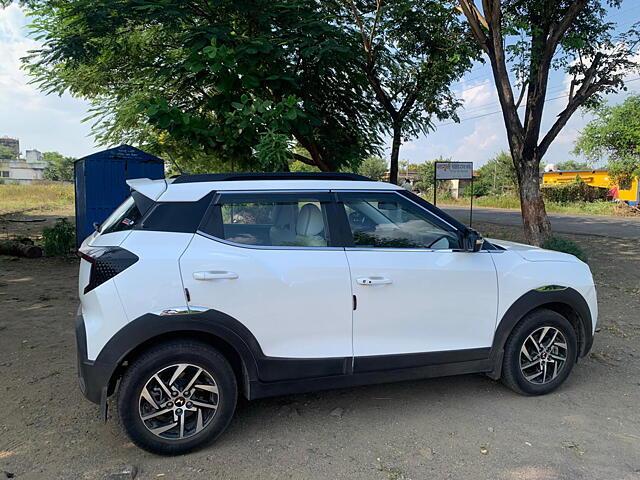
<point>215,275</point>
<point>374,281</point>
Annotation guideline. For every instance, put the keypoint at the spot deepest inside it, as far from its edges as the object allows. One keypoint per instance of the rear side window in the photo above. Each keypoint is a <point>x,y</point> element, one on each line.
<point>273,219</point>
<point>125,217</point>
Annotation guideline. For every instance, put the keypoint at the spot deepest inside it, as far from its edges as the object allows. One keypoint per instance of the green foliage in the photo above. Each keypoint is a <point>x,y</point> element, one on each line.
<point>425,173</point>
<point>560,244</point>
<point>7,153</point>
<point>412,52</point>
<point>576,191</point>
<point>573,165</point>
<point>374,168</point>
<point>614,134</point>
<point>210,76</point>
<point>496,177</point>
<point>58,167</point>
<point>59,239</point>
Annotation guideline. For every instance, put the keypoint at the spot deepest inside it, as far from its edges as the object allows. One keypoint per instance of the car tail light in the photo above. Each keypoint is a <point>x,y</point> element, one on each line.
<point>106,263</point>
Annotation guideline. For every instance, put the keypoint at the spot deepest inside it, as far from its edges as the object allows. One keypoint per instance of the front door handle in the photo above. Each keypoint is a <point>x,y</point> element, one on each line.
<point>215,275</point>
<point>374,281</point>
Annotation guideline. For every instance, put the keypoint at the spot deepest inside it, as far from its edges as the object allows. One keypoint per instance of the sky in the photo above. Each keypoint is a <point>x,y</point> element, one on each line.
<point>54,123</point>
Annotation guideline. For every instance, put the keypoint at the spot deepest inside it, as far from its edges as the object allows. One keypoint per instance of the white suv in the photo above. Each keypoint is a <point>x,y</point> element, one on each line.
<point>205,287</point>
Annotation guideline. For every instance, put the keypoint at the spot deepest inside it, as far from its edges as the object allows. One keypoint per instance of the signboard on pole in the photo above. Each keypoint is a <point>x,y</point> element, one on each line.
<point>454,170</point>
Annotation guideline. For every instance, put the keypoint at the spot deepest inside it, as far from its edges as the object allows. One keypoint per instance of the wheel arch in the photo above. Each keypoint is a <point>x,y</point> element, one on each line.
<point>566,301</point>
<point>214,328</point>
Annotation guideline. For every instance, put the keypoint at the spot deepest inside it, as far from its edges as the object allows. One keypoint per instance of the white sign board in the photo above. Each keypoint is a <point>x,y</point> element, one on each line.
<point>454,170</point>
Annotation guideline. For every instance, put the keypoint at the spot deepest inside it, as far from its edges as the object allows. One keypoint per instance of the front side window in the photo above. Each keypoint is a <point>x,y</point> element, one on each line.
<point>388,220</point>
<point>274,219</point>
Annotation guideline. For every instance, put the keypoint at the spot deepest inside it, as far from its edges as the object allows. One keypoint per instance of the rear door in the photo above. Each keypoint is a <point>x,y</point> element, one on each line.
<point>269,260</point>
<point>416,292</point>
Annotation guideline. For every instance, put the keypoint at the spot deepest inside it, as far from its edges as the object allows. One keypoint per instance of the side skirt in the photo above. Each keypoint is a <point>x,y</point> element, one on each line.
<point>271,389</point>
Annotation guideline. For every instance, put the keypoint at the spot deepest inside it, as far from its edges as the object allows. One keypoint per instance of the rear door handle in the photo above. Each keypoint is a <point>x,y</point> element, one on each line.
<point>374,281</point>
<point>215,275</point>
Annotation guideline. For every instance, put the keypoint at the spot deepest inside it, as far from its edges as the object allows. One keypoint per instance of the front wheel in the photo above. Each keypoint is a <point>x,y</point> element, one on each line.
<point>176,397</point>
<point>540,353</point>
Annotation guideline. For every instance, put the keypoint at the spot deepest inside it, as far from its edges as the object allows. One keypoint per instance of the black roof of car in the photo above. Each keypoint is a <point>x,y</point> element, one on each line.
<point>227,177</point>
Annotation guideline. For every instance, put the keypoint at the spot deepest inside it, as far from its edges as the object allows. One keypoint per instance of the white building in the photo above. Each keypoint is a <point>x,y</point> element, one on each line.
<point>21,171</point>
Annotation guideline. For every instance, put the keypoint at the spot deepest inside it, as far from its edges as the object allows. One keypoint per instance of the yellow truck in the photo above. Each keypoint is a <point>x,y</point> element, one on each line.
<point>595,178</point>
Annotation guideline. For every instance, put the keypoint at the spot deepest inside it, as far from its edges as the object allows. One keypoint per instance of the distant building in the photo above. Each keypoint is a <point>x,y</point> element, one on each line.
<point>20,171</point>
<point>33,156</point>
<point>12,143</point>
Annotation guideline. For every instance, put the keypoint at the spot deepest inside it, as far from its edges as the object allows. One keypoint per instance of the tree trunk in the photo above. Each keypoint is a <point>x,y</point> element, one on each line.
<point>537,228</point>
<point>395,153</point>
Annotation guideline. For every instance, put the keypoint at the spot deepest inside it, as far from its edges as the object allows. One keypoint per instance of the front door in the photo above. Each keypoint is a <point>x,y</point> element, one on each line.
<point>268,260</point>
<point>415,293</point>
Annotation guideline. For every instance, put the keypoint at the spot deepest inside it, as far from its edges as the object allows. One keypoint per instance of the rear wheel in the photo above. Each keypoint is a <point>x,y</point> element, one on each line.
<point>540,353</point>
<point>177,397</point>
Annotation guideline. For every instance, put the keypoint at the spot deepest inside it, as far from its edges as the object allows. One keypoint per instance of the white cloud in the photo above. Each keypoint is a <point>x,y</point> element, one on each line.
<point>45,122</point>
<point>486,139</point>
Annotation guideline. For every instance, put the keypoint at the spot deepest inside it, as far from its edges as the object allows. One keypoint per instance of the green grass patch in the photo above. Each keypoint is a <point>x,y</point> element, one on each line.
<point>564,245</point>
<point>600,207</point>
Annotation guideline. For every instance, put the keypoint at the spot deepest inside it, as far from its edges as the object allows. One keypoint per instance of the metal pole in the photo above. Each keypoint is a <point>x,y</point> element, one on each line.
<point>435,168</point>
<point>471,209</point>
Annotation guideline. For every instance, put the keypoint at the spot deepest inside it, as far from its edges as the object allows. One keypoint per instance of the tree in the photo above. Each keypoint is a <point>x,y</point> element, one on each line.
<point>413,50</point>
<point>229,79</point>
<point>573,165</point>
<point>497,176</point>
<point>374,168</point>
<point>58,167</point>
<point>614,134</point>
<point>528,39</point>
<point>7,153</point>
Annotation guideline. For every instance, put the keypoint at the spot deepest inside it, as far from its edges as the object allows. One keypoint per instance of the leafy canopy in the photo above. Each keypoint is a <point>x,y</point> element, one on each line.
<point>374,168</point>
<point>615,135</point>
<point>58,167</point>
<point>228,79</point>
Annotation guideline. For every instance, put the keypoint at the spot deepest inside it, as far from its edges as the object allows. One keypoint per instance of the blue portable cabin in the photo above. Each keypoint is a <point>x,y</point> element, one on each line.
<point>100,183</point>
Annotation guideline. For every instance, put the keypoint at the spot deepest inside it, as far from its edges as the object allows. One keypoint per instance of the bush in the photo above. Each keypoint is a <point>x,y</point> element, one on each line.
<point>59,239</point>
<point>576,191</point>
<point>567,246</point>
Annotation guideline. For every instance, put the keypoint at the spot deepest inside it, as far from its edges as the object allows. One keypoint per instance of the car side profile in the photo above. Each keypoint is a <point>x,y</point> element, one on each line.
<point>202,288</point>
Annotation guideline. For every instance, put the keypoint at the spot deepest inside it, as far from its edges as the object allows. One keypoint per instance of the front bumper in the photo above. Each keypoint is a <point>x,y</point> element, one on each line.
<point>93,377</point>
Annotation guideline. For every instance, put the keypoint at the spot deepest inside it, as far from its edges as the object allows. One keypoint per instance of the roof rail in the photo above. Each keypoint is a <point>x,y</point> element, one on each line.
<point>227,177</point>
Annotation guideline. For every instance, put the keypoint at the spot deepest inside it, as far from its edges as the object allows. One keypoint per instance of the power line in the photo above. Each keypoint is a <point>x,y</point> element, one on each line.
<point>521,106</point>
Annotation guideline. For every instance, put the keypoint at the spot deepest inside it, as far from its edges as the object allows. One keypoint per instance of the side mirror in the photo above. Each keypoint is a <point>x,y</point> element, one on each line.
<point>472,241</point>
<point>97,226</point>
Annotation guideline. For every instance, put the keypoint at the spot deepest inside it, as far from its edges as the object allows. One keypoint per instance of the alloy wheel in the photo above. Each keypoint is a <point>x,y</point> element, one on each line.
<point>543,355</point>
<point>178,401</point>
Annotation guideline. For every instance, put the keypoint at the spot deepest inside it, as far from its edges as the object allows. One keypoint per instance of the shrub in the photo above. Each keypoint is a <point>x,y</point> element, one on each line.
<point>576,191</point>
<point>59,239</point>
<point>567,246</point>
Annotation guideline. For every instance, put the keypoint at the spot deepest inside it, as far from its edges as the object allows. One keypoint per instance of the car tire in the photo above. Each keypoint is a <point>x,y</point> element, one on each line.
<point>177,397</point>
<point>532,362</point>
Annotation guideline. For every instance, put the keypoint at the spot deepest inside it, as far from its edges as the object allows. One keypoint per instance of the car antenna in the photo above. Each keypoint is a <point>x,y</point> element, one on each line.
<point>175,164</point>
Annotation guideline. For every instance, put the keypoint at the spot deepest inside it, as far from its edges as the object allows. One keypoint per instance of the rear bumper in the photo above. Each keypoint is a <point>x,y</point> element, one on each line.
<point>92,377</point>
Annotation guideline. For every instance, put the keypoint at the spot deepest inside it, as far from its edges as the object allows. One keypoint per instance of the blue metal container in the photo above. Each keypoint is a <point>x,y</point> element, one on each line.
<point>100,183</point>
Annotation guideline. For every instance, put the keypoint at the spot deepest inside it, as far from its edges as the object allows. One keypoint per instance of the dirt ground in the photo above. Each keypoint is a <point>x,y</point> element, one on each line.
<point>466,427</point>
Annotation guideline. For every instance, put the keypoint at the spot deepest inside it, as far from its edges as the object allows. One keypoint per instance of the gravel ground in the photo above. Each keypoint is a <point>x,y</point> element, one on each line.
<point>458,427</point>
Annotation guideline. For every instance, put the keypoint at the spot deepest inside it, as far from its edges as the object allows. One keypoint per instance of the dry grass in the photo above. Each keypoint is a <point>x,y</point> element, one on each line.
<point>36,198</point>
<point>575,208</point>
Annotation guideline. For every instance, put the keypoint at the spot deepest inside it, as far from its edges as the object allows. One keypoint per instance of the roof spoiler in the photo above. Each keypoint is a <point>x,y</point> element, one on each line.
<point>151,189</point>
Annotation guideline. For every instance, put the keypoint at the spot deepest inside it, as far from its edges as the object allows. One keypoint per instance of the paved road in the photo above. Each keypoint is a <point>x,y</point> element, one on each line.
<point>619,227</point>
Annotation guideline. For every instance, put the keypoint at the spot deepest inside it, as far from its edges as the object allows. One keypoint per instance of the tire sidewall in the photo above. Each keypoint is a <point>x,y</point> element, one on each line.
<point>542,318</point>
<point>146,366</point>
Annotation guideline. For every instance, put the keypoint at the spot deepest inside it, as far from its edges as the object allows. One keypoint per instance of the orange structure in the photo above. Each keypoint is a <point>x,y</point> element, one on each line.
<point>595,178</point>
